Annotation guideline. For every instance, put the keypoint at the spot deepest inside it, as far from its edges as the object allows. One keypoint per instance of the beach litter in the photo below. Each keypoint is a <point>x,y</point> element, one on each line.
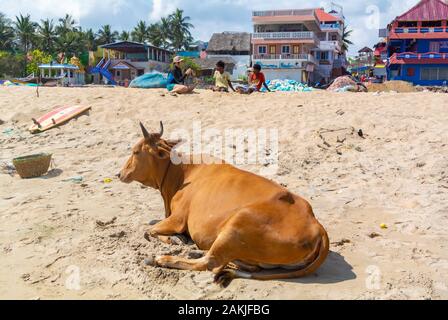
<point>8,131</point>
<point>287,86</point>
<point>107,180</point>
<point>77,179</point>
<point>8,168</point>
<point>383,226</point>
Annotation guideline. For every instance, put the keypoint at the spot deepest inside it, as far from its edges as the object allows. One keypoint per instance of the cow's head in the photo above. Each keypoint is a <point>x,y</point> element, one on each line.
<point>149,159</point>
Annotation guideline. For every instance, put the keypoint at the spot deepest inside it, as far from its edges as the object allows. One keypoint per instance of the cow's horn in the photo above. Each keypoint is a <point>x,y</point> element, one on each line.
<point>161,129</point>
<point>145,132</point>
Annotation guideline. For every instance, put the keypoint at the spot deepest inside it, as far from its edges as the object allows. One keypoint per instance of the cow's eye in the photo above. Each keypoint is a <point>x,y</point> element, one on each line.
<point>136,153</point>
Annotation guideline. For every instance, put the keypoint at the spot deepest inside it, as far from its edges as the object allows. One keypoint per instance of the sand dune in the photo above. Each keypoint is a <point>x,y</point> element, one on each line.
<point>396,175</point>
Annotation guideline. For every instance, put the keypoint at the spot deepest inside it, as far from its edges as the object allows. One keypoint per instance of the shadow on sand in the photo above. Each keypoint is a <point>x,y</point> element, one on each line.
<point>334,270</point>
<point>52,174</point>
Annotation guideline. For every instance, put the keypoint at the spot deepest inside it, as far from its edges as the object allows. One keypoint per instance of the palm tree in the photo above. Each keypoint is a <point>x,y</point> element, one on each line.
<point>345,38</point>
<point>125,36</point>
<point>140,33</point>
<point>90,40</point>
<point>180,29</point>
<point>70,44</point>
<point>106,35</point>
<point>155,35</point>
<point>25,30</point>
<point>6,33</point>
<point>66,24</point>
<point>47,35</point>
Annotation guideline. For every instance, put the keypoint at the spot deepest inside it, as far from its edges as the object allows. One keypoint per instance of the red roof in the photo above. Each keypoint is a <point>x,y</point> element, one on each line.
<point>326,17</point>
<point>426,10</point>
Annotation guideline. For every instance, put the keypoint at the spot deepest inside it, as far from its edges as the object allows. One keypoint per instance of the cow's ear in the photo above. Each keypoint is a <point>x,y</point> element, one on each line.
<point>175,143</point>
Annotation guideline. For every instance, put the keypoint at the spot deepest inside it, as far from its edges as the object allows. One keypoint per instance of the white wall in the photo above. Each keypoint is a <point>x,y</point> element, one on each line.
<point>288,74</point>
<point>242,64</point>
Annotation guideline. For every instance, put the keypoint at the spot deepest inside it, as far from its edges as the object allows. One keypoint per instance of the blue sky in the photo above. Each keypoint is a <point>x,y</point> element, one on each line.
<point>208,16</point>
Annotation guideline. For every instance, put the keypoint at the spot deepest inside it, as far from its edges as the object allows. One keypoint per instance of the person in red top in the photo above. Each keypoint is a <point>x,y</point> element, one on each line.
<point>256,81</point>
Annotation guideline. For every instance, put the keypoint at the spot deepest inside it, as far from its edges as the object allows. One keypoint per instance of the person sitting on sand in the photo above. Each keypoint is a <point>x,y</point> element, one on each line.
<point>256,80</point>
<point>176,78</point>
<point>222,78</point>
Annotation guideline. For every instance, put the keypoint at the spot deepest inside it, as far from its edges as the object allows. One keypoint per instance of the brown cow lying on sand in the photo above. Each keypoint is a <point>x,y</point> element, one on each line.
<point>251,227</point>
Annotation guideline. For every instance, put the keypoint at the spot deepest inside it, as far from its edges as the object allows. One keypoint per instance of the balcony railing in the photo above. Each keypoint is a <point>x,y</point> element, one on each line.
<point>275,13</point>
<point>330,45</point>
<point>414,55</point>
<point>334,26</point>
<point>414,30</point>
<point>300,35</point>
<point>301,56</point>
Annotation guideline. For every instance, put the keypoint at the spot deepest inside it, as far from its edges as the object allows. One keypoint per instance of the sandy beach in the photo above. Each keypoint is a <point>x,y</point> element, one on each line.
<point>61,239</point>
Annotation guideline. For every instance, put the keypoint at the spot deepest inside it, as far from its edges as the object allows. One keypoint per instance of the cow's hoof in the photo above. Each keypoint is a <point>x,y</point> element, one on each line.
<point>150,262</point>
<point>180,239</point>
<point>225,277</point>
<point>196,254</point>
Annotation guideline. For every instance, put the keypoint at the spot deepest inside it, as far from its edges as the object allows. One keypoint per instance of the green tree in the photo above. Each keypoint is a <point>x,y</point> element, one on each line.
<point>6,33</point>
<point>11,65</point>
<point>70,44</point>
<point>106,35</point>
<point>125,36</point>
<point>37,58</point>
<point>140,32</point>
<point>345,38</point>
<point>25,30</point>
<point>90,42</point>
<point>180,34</point>
<point>47,35</point>
<point>66,24</point>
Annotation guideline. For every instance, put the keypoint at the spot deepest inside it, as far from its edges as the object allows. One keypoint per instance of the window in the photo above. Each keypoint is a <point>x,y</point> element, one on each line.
<point>334,37</point>
<point>434,46</point>
<point>118,73</point>
<point>296,49</point>
<point>431,24</point>
<point>322,55</point>
<point>262,49</point>
<point>286,49</point>
<point>407,24</point>
<point>434,74</point>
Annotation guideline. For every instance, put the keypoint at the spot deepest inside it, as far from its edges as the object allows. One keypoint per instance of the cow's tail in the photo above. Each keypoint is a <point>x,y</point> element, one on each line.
<point>321,254</point>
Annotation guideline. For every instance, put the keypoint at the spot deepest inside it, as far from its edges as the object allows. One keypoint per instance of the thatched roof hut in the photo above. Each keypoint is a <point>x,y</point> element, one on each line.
<point>229,43</point>
<point>209,64</point>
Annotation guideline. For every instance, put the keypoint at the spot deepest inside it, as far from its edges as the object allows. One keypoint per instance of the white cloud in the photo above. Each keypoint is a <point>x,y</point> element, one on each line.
<point>208,16</point>
<point>161,8</point>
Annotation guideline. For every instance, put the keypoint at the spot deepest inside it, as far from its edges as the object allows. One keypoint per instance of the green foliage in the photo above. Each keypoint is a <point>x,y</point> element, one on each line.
<point>37,57</point>
<point>345,38</point>
<point>106,35</point>
<point>11,65</point>
<point>189,63</point>
<point>209,80</point>
<point>243,78</point>
<point>6,33</point>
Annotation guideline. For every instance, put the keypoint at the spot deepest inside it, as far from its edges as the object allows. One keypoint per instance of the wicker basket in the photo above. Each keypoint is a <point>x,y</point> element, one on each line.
<point>32,166</point>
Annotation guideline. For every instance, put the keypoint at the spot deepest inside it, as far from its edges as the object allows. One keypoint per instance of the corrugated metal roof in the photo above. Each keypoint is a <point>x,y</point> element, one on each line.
<point>326,17</point>
<point>426,10</point>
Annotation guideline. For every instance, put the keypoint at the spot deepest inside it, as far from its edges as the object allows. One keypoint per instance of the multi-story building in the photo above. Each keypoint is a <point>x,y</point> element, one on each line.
<point>418,44</point>
<point>125,60</point>
<point>303,45</point>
